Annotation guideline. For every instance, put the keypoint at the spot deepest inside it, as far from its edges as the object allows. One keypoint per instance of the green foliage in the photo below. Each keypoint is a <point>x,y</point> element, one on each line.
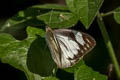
<point>14,52</point>
<point>51,6</point>
<point>75,67</point>
<point>32,55</point>
<point>117,15</point>
<point>86,73</point>
<point>59,19</point>
<point>85,10</point>
<point>50,78</point>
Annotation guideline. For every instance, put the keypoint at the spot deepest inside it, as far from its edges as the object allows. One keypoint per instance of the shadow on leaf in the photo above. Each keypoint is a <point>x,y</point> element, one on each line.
<point>39,60</point>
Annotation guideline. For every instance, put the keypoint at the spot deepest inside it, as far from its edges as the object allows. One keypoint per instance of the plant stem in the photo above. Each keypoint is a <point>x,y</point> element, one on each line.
<point>108,44</point>
<point>28,75</point>
<point>107,14</point>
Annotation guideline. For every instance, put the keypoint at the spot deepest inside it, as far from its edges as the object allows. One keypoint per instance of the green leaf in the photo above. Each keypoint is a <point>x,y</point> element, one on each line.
<point>39,59</point>
<point>27,17</point>
<point>59,19</point>
<point>50,78</point>
<point>36,15</point>
<point>51,6</point>
<point>20,21</point>
<point>86,73</point>
<point>22,54</point>
<point>86,10</point>
<point>117,15</point>
<point>75,67</point>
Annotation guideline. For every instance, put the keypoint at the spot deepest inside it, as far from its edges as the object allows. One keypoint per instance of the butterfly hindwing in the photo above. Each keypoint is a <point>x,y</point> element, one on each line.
<point>73,45</point>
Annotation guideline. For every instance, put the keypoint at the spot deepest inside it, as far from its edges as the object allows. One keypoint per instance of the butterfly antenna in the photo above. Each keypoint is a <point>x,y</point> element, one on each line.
<point>50,18</point>
<point>49,23</point>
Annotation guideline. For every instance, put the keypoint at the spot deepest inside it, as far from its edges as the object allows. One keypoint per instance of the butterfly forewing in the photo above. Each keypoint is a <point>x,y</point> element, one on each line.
<point>53,45</point>
<point>68,46</point>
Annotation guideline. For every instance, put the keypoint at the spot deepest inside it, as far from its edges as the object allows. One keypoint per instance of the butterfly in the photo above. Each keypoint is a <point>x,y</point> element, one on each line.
<point>68,46</point>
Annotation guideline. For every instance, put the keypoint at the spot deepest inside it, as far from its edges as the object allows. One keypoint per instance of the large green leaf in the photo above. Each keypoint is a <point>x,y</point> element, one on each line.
<point>117,15</point>
<point>39,59</point>
<point>86,10</point>
<point>29,55</point>
<point>59,19</point>
<point>51,6</point>
<point>86,73</point>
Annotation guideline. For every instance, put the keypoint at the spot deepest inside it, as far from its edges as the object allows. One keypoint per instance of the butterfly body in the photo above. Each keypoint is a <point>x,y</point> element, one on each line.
<point>68,46</point>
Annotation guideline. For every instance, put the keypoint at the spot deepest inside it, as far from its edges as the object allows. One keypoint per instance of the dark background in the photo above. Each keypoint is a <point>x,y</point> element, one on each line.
<point>10,7</point>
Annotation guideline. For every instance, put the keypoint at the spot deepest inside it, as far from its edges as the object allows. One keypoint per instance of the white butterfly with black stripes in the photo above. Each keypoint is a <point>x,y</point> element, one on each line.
<point>68,46</point>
